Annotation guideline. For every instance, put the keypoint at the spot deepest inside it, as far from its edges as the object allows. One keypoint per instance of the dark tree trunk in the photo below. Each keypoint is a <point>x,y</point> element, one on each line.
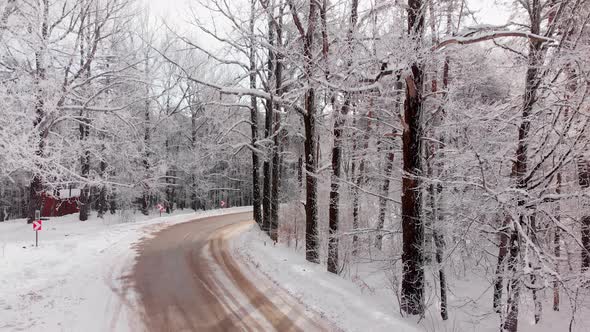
<point>513,292</point>
<point>277,140</point>
<point>309,120</point>
<point>102,206</point>
<point>557,246</point>
<point>145,198</point>
<point>311,186</point>
<point>585,243</point>
<point>276,179</point>
<point>359,180</point>
<point>339,120</point>
<point>521,167</point>
<point>36,185</point>
<point>85,166</point>
<point>412,293</point>
<point>584,182</point>
<point>145,195</point>
<point>334,209</point>
<point>267,167</point>
<point>256,198</point>
<point>382,200</point>
<point>503,250</point>
<point>113,202</point>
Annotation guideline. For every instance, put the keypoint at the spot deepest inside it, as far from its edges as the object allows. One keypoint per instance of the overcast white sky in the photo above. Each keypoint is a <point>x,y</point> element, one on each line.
<point>488,11</point>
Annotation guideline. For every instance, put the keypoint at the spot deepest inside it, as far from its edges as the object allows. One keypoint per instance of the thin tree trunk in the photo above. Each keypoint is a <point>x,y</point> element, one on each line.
<point>382,200</point>
<point>102,206</point>
<point>387,172</point>
<point>360,180</point>
<point>85,165</point>
<point>145,199</point>
<point>503,251</point>
<point>276,158</point>
<point>557,246</point>
<point>339,120</point>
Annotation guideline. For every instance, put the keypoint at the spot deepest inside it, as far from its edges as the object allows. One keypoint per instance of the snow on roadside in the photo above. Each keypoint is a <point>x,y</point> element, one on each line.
<point>75,279</point>
<point>337,299</point>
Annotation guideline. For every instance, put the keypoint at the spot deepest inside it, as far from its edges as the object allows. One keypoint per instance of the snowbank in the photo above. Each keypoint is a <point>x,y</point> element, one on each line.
<point>75,279</point>
<point>367,303</point>
<point>340,301</point>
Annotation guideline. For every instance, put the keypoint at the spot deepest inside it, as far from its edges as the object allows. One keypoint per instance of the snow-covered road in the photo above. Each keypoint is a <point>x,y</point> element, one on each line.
<point>76,279</point>
<point>187,280</point>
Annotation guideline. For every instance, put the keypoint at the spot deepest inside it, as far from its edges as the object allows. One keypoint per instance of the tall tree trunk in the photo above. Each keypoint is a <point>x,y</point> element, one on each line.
<point>256,198</point>
<point>276,157</point>
<point>85,165</point>
<point>84,122</point>
<point>145,199</point>
<point>360,179</point>
<point>311,186</point>
<point>309,121</point>
<point>194,116</point>
<point>501,262</point>
<point>388,170</point>
<point>412,224</point>
<point>383,200</point>
<point>102,206</point>
<point>557,245</point>
<point>268,121</point>
<point>36,185</point>
<point>339,120</point>
<point>521,166</point>
<point>334,209</point>
<point>436,163</point>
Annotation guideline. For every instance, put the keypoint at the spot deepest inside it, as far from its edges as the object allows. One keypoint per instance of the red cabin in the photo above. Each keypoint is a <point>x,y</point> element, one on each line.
<point>62,203</point>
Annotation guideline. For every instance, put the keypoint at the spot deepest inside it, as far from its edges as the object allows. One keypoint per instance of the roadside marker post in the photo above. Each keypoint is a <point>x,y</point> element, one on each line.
<point>160,208</point>
<point>37,226</point>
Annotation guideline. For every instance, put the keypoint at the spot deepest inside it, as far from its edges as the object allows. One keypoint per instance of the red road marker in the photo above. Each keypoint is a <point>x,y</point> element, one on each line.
<point>37,225</point>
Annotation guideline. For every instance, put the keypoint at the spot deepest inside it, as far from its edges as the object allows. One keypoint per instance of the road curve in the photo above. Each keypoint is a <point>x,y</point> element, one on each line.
<point>187,280</point>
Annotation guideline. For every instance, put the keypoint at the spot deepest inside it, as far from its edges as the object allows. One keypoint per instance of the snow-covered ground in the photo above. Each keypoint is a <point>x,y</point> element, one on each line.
<point>366,302</point>
<point>75,279</point>
<point>346,304</point>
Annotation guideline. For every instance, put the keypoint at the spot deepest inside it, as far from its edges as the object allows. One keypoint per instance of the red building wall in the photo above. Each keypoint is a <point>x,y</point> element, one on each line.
<point>57,207</point>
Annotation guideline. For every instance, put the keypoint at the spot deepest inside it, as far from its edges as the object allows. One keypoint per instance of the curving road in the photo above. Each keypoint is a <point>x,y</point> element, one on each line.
<point>188,280</point>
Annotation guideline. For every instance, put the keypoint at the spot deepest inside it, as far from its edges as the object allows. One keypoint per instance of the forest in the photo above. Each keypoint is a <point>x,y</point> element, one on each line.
<point>408,134</point>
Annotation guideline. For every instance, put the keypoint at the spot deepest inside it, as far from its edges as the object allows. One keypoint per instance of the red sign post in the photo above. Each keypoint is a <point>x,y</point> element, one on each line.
<point>161,208</point>
<point>37,226</point>
<point>222,203</point>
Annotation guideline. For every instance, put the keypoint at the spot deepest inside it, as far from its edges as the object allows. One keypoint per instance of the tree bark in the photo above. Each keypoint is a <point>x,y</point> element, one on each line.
<point>276,158</point>
<point>388,170</point>
<point>521,167</point>
<point>339,120</point>
<point>36,184</point>
<point>309,121</point>
<point>360,179</point>
<point>268,121</point>
<point>503,251</point>
<point>256,199</point>
<point>557,246</point>
<point>412,224</point>
<point>145,199</point>
<point>85,166</point>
